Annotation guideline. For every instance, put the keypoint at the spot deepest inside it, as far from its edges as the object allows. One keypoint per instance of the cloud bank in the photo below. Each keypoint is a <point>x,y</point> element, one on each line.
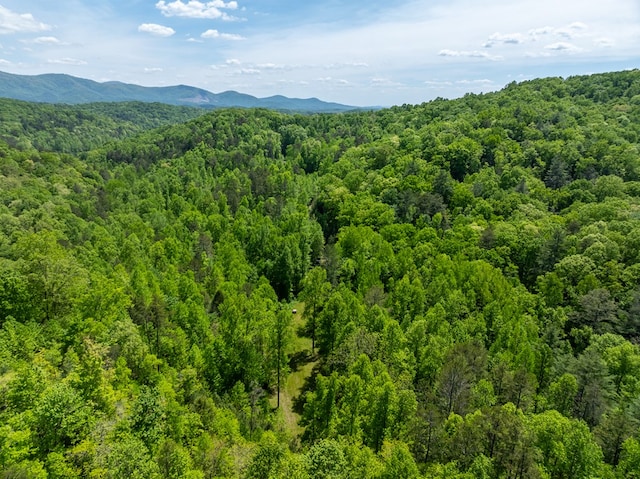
<point>11,22</point>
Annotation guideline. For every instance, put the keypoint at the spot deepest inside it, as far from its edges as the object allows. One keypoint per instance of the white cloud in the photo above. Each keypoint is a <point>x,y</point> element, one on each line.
<point>451,53</point>
<point>153,70</point>
<point>604,42</point>
<point>224,36</point>
<point>157,30</point>
<point>46,41</point>
<point>438,83</point>
<point>385,82</point>
<point>284,81</point>
<point>355,64</point>
<point>341,65</point>
<point>288,67</point>
<point>67,61</point>
<point>334,81</point>
<point>545,54</point>
<point>271,66</point>
<point>4,62</point>
<point>210,34</point>
<point>249,71</point>
<point>195,9</point>
<point>11,22</point>
<point>504,38</point>
<point>468,54</point>
<point>576,26</point>
<point>567,32</point>
<point>571,31</point>
<point>534,32</point>
<point>51,41</point>
<point>562,47</point>
<point>483,81</point>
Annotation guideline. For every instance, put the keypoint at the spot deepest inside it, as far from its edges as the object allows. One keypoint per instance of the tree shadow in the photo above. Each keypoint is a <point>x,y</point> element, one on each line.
<point>299,359</point>
<point>309,385</point>
<point>301,331</point>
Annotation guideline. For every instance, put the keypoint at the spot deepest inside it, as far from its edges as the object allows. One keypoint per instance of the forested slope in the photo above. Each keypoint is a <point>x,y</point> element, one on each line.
<point>469,271</point>
<point>79,128</point>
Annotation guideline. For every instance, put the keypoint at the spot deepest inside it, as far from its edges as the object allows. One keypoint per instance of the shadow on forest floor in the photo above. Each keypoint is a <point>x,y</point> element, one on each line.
<point>299,359</point>
<point>311,370</point>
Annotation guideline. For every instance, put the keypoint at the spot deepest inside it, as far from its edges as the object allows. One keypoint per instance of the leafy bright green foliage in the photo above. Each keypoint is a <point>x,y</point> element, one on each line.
<point>464,276</point>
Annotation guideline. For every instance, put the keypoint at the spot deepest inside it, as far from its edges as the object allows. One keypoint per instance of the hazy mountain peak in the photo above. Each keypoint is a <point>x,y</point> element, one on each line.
<point>62,88</point>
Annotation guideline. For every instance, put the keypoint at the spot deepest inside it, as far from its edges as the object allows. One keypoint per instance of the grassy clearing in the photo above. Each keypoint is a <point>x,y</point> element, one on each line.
<point>301,368</point>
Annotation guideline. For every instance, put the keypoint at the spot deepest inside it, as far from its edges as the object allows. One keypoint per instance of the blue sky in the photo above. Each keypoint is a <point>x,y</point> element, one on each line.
<point>357,52</point>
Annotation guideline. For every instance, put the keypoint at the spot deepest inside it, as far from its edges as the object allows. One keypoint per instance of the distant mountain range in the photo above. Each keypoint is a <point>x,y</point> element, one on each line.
<point>60,88</point>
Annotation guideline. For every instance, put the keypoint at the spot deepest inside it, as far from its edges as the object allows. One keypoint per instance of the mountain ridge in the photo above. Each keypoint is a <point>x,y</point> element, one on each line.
<point>68,89</point>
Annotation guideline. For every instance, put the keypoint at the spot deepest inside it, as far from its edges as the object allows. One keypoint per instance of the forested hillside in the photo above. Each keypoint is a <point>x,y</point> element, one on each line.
<point>465,275</point>
<point>79,128</point>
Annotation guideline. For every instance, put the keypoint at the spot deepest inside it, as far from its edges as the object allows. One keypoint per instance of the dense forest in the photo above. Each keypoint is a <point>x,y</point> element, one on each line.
<point>444,290</point>
<point>74,129</point>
